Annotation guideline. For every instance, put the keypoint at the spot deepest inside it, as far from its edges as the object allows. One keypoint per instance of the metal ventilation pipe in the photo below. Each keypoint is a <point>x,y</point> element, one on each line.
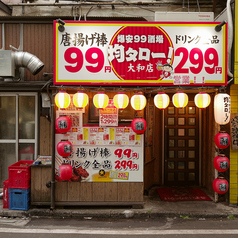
<point>29,61</point>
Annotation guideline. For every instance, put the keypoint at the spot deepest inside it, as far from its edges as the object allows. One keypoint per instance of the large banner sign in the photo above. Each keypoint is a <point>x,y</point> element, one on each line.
<point>140,53</point>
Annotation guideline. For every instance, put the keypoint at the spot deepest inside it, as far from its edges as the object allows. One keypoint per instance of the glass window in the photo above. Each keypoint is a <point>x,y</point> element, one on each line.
<point>191,132</point>
<point>171,110</point>
<point>181,132</point>
<point>181,154</point>
<point>171,154</point>
<point>181,165</point>
<point>171,132</point>
<point>171,143</point>
<point>171,121</point>
<point>8,117</point>
<point>170,176</point>
<point>181,111</point>
<point>181,121</point>
<point>191,154</point>
<point>191,165</point>
<point>191,143</point>
<point>191,176</point>
<point>181,176</point>
<point>191,121</point>
<point>171,165</point>
<point>191,110</point>
<point>181,143</point>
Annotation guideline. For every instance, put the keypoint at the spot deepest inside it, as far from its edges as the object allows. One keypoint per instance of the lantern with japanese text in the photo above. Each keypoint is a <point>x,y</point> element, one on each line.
<point>222,140</point>
<point>222,108</point>
<point>138,125</point>
<point>202,100</point>
<point>65,171</point>
<point>64,148</point>
<point>161,100</point>
<point>62,99</point>
<point>221,163</point>
<point>80,99</point>
<point>220,185</point>
<point>138,101</point>
<point>63,124</point>
<point>100,100</point>
<point>180,100</point>
<point>121,101</point>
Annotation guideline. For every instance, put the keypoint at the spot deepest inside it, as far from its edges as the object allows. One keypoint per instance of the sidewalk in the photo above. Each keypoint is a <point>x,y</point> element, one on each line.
<point>153,207</point>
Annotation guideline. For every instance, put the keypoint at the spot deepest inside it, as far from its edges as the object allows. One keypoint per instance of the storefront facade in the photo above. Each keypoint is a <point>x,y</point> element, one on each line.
<point>177,147</point>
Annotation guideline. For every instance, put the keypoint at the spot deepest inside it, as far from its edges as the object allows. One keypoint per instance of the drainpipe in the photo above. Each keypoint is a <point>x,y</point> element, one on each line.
<point>53,154</point>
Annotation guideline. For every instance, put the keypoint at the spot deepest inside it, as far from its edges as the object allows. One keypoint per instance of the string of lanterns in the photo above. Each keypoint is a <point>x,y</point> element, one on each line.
<point>138,101</point>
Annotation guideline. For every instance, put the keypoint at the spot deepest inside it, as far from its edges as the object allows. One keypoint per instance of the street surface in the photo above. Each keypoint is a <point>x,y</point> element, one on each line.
<point>90,227</point>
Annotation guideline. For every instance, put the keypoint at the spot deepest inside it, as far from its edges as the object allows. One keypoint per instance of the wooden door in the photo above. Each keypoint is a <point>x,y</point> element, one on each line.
<point>181,163</point>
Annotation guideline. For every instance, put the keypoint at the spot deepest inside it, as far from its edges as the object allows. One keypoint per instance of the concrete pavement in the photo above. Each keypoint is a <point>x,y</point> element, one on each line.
<point>153,207</point>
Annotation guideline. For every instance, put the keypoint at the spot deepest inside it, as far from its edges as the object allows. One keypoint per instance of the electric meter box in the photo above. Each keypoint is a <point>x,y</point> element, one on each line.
<point>7,65</point>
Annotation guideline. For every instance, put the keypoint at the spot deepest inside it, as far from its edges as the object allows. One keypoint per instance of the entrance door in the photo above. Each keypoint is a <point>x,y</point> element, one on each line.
<point>181,146</point>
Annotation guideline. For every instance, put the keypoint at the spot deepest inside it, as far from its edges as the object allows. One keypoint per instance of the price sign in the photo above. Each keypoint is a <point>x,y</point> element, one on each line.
<point>140,53</point>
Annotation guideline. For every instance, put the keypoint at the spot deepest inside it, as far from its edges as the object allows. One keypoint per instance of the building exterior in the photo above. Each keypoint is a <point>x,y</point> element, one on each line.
<point>178,146</point>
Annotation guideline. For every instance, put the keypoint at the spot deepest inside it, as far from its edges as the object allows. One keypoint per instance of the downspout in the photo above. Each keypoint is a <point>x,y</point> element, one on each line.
<point>53,154</point>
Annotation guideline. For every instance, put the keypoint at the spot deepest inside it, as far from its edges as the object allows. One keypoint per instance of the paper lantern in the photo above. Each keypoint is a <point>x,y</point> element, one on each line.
<point>202,100</point>
<point>222,140</point>
<point>100,100</point>
<point>222,108</point>
<point>138,125</point>
<point>64,148</point>
<point>62,99</point>
<point>138,101</point>
<point>120,101</point>
<point>80,99</point>
<point>180,100</point>
<point>220,185</point>
<point>63,124</point>
<point>221,163</point>
<point>65,171</point>
<point>161,100</point>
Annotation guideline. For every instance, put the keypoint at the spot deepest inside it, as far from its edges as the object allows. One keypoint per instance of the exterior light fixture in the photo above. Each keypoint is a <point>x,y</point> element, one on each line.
<point>62,99</point>
<point>161,100</point>
<point>121,101</point>
<point>100,100</point>
<point>202,100</point>
<point>180,100</point>
<point>61,27</point>
<point>218,27</point>
<point>220,185</point>
<point>80,99</point>
<point>222,108</point>
<point>63,124</point>
<point>138,101</point>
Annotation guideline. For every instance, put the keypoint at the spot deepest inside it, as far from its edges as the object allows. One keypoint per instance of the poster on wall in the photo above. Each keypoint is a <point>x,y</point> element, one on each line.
<point>104,164</point>
<point>108,116</point>
<point>140,53</point>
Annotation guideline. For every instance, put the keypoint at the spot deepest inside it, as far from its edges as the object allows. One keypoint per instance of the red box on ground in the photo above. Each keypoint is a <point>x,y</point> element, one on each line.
<point>6,194</point>
<point>20,174</point>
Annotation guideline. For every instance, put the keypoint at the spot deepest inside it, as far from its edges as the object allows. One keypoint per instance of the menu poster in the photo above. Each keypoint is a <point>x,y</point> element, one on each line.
<point>109,115</point>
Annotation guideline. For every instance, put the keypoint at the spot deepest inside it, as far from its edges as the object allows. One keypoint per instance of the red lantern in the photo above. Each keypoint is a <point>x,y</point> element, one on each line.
<point>65,171</point>
<point>63,124</point>
<point>221,163</point>
<point>220,185</point>
<point>64,148</point>
<point>138,125</point>
<point>222,140</point>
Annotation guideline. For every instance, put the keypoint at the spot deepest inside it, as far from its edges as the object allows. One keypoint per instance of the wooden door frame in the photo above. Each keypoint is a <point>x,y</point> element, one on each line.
<point>199,148</point>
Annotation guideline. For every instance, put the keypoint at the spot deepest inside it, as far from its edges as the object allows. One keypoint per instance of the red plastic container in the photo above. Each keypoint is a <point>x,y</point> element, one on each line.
<point>20,174</point>
<point>6,194</point>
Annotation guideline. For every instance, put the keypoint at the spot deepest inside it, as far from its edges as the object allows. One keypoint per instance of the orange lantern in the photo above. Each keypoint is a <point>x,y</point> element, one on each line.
<point>100,100</point>
<point>180,100</point>
<point>202,100</point>
<point>138,101</point>
<point>80,99</point>
<point>161,100</point>
<point>120,101</point>
<point>62,99</point>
